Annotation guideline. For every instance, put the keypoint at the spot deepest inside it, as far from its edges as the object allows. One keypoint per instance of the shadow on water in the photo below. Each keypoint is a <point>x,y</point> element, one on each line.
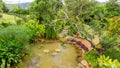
<point>38,58</point>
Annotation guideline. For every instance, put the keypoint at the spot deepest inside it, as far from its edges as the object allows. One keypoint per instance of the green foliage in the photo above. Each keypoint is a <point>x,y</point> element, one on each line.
<point>113,52</point>
<point>45,10</point>
<point>112,9</point>
<point>72,29</point>
<point>3,7</point>
<point>97,25</point>
<point>53,29</point>
<point>106,62</point>
<point>5,24</point>
<point>114,24</point>
<point>92,58</point>
<point>0,16</point>
<point>1,10</point>
<point>108,40</point>
<point>13,40</point>
<point>59,25</point>
<point>50,32</point>
<point>20,12</point>
<point>83,16</point>
<point>19,21</point>
<point>36,29</point>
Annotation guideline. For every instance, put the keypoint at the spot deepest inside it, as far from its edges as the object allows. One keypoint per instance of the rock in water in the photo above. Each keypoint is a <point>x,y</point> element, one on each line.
<point>57,50</point>
<point>46,50</point>
<point>54,53</point>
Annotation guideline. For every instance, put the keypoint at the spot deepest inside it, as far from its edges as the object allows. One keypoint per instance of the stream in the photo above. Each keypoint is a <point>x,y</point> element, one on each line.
<point>50,55</point>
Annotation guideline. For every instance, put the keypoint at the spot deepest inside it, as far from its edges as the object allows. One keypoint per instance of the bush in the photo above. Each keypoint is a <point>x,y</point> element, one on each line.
<point>106,62</point>
<point>6,23</point>
<point>0,16</point>
<point>50,32</point>
<point>1,10</point>
<point>36,29</point>
<point>110,43</point>
<point>19,21</point>
<point>113,52</point>
<point>108,40</point>
<point>13,40</point>
<point>92,58</point>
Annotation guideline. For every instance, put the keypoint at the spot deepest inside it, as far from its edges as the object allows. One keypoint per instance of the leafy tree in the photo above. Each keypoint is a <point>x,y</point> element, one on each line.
<point>20,12</point>
<point>3,6</point>
<point>112,9</point>
<point>45,10</point>
<point>1,3</point>
<point>5,9</point>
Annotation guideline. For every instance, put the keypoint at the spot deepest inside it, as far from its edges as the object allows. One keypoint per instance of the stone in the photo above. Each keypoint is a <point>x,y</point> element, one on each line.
<point>46,50</point>
<point>80,66</point>
<point>58,50</point>
<point>84,62</point>
<point>54,53</point>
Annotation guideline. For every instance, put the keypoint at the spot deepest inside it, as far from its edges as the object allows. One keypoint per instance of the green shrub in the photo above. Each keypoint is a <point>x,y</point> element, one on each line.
<point>13,40</point>
<point>1,10</point>
<point>36,29</point>
<point>50,32</point>
<point>5,23</point>
<point>113,52</point>
<point>0,16</point>
<point>19,21</point>
<point>106,62</point>
<point>110,43</point>
<point>108,40</point>
<point>72,29</point>
<point>92,58</point>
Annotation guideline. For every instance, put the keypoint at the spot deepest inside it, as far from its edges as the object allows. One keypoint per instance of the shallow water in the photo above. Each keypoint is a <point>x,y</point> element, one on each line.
<point>66,58</point>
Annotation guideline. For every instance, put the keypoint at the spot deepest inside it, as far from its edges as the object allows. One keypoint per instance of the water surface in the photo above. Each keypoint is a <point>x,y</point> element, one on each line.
<point>66,58</point>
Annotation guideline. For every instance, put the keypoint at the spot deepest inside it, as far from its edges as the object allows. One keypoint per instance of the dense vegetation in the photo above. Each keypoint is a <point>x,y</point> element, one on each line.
<point>13,40</point>
<point>45,19</point>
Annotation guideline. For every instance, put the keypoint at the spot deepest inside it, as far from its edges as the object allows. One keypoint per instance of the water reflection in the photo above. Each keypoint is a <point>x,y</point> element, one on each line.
<point>63,58</point>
